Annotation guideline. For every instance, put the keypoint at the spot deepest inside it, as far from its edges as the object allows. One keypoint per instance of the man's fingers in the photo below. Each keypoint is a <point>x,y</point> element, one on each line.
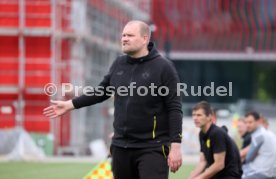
<point>48,108</point>
<point>50,114</point>
<point>48,111</point>
<point>179,163</point>
<point>175,167</point>
<point>53,116</point>
<point>171,164</point>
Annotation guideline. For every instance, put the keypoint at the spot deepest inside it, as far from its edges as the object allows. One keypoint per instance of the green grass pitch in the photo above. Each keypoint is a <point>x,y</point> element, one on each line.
<point>41,170</point>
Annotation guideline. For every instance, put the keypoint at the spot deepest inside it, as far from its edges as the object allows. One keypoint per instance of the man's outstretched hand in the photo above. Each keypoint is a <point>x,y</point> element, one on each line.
<point>175,157</point>
<point>58,108</point>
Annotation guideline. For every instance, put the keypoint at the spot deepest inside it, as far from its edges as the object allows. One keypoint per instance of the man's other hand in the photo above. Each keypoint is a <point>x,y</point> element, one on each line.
<point>58,108</point>
<point>175,157</point>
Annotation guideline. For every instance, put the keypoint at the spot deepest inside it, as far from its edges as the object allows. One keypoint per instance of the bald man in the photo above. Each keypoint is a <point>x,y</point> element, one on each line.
<point>147,126</point>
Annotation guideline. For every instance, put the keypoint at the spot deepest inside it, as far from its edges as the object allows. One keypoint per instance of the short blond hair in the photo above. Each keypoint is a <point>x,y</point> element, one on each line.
<point>144,28</point>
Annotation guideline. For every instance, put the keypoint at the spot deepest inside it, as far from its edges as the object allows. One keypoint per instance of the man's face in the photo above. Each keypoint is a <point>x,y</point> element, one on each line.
<point>132,40</point>
<point>242,129</point>
<point>200,118</point>
<point>251,123</point>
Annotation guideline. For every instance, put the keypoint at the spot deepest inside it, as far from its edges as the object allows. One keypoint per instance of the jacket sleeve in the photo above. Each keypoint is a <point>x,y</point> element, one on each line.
<point>254,148</point>
<point>99,94</point>
<point>170,79</point>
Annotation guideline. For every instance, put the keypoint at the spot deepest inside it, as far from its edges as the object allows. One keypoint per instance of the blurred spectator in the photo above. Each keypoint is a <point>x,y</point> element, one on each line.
<point>264,122</point>
<point>214,120</point>
<point>246,137</point>
<point>261,157</point>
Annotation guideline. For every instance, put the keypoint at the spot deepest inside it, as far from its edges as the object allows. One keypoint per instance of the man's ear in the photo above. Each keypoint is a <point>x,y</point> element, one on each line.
<point>210,117</point>
<point>146,39</point>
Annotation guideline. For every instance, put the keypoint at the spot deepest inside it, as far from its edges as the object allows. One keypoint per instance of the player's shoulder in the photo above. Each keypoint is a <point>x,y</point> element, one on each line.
<point>163,60</point>
<point>165,65</point>
<point>217,131</point>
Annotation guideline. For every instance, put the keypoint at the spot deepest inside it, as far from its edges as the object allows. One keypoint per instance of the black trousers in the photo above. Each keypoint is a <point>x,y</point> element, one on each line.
<point>145,163</point>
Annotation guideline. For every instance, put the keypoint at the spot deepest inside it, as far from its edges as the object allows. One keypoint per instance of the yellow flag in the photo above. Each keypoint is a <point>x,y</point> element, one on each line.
<point>101,171</point>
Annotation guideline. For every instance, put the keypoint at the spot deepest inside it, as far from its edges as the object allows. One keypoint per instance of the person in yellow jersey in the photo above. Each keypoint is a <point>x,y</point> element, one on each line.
<point>219,155</point>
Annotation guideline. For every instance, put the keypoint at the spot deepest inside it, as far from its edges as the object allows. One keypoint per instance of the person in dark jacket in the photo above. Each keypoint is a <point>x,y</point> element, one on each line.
<point>147,127</point>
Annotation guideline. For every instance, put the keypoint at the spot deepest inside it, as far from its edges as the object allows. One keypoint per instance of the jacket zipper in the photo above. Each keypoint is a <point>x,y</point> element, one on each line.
<point>154,127</point>
<point>125,122</point>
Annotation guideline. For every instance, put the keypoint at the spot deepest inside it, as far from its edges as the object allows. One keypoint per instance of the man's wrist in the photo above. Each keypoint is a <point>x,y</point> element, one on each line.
<point>70,105</point>
<point>176,145</point>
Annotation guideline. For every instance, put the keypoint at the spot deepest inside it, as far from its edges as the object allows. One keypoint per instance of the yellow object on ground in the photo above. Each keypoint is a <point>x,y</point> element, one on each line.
<point>101,171</point>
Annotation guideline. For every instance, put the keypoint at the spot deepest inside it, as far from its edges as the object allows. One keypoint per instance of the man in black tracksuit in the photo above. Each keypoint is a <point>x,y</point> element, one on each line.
<point>147,127</point>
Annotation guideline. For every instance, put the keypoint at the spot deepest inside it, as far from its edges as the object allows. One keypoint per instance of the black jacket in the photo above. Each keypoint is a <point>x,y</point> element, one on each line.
<point>142,121</point>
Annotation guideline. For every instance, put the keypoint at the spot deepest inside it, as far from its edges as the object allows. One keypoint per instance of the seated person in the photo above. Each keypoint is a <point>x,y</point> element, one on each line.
<point>260,161</point>
<point>246,136</point>
<point>219,155</point>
